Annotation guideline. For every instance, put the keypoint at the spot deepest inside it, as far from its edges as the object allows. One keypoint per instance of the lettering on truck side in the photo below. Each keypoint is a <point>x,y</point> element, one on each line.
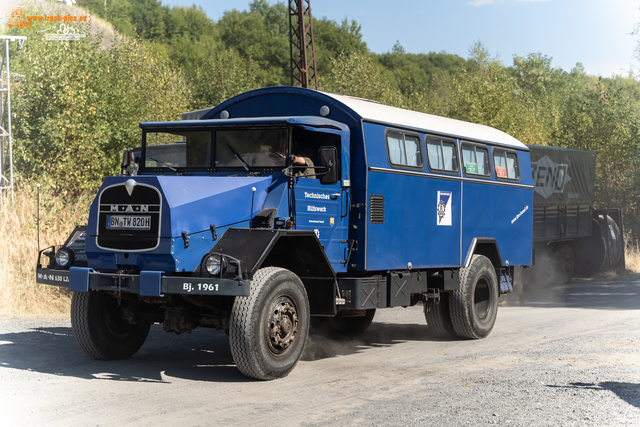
<point>316,196</point>
<point>211,287</point>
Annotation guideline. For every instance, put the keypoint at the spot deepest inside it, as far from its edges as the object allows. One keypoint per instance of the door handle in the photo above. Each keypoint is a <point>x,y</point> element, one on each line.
<point>334,196</point>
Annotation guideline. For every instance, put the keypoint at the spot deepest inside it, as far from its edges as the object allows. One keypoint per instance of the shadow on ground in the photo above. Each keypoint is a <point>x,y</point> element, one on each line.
<point>203,355</point>
<point>629,392</point>
<point>615,293</point>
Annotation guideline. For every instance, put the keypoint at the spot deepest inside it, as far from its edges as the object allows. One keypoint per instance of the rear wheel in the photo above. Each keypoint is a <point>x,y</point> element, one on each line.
<point>436,313</point>
<point>101,332</point>
<point>566,264</point>
<point>474,306</point>
<point>269,328</point>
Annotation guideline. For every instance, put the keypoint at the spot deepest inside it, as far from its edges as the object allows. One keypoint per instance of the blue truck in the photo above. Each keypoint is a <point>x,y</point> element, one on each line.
<point>286,208</point>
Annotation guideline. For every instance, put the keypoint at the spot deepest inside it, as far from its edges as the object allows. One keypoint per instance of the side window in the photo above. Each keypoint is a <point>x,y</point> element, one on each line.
<point>506,165</point>
<point>475,160</point>
<point>442,155</point>
<point>404,150</point>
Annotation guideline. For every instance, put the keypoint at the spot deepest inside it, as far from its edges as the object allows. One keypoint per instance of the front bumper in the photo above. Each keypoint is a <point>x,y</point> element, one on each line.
<point>147,283</point>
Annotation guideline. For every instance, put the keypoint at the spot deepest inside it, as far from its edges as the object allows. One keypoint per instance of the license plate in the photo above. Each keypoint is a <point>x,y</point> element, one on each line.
<point>129,222</point>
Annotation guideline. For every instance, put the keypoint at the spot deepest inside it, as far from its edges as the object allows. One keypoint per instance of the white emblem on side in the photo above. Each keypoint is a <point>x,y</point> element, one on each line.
<point>317,233</point>
<point>130,185</point>
<point>444,208</point>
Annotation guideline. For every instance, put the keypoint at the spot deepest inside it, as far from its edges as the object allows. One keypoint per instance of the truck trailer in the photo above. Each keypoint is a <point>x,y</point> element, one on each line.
<point>217,222</point>
<point>570,236</point>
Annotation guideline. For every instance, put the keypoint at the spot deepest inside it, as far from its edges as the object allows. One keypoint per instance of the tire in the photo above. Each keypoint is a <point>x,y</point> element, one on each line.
<point>269,328</point>
<point>100,330</point>
<point>438,318</point>
<point>352,324</point>
<point>474,306</point>
<point>565,263</point>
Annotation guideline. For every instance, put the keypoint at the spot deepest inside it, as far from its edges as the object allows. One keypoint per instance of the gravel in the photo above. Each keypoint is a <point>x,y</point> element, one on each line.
<point>570,357</point>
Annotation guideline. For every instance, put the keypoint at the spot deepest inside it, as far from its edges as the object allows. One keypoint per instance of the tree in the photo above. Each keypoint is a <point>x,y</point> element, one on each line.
<point>358,75</point>
<point>222,75</point>
<point>79,106</point>
<point>332,40</point>
<point>270,52</point>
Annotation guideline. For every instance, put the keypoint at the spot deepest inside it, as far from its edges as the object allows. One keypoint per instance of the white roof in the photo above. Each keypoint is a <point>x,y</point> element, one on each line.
<point>372,111</point>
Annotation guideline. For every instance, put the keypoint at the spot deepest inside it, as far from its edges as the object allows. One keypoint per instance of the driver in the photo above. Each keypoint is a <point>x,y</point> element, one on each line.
<point>297,160</point>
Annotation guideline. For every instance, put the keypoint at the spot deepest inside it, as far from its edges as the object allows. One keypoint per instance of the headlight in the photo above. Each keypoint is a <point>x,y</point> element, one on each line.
<point>64,258</point>
<point>214,264</point>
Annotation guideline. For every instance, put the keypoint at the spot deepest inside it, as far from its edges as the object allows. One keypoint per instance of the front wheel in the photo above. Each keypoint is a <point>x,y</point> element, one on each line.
<point>101,332</point>
<point>474,306</point>
<point>268,328</point>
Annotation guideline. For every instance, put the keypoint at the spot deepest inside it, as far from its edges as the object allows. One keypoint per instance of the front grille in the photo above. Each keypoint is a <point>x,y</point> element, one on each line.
<point>127,213</point>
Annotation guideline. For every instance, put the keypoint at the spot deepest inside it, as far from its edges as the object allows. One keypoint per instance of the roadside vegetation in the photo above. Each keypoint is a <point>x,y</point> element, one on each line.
<point>77,105</point>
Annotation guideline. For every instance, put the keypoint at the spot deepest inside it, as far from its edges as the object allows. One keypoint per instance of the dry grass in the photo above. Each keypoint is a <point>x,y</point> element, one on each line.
<point>632,257</point>
<point>19,292</point>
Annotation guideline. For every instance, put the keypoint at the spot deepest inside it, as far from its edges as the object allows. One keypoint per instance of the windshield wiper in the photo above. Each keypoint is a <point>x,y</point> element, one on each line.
<point>164,164</point>
<point>235,153</point>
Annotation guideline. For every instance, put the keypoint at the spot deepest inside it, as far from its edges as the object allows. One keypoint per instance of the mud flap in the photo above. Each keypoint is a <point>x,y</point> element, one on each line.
<point>506,281</point>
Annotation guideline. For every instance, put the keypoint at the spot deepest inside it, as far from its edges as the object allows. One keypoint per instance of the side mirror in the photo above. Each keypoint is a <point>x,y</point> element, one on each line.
<point>328,158</point>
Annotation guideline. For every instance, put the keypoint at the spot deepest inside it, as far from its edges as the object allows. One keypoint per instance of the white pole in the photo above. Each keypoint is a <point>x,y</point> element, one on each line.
<point>9,120</point>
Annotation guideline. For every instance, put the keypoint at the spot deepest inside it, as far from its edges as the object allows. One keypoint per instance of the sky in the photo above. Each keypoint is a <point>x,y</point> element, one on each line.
<point>595,33</point>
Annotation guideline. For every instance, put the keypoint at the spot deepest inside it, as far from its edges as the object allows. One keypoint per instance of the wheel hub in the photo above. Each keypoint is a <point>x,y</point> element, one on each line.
<point>283,325</point>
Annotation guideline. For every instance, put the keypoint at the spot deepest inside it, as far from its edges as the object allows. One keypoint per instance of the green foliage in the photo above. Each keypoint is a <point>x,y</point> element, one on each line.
<point>250,35</point>
<point>332,40</point>
<point>604,118</point>
<point>358,75</point>
<point>484,94</point>
<point>79,106</point>
<point>222,75</point>
<point>117,12</point>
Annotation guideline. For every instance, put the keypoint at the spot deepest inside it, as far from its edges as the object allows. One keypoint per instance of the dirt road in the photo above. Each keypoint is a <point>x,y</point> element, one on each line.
<point>570,357</point>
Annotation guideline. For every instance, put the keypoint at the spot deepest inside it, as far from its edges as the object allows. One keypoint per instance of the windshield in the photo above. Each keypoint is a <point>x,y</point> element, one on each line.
<point>178,149</point>
<point>223,148</point>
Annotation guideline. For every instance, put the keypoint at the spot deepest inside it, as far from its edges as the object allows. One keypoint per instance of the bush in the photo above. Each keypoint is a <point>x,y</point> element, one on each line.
<point>78,106</point>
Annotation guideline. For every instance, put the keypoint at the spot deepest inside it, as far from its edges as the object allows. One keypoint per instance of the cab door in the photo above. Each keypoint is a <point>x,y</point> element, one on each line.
<point>324,208</point>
